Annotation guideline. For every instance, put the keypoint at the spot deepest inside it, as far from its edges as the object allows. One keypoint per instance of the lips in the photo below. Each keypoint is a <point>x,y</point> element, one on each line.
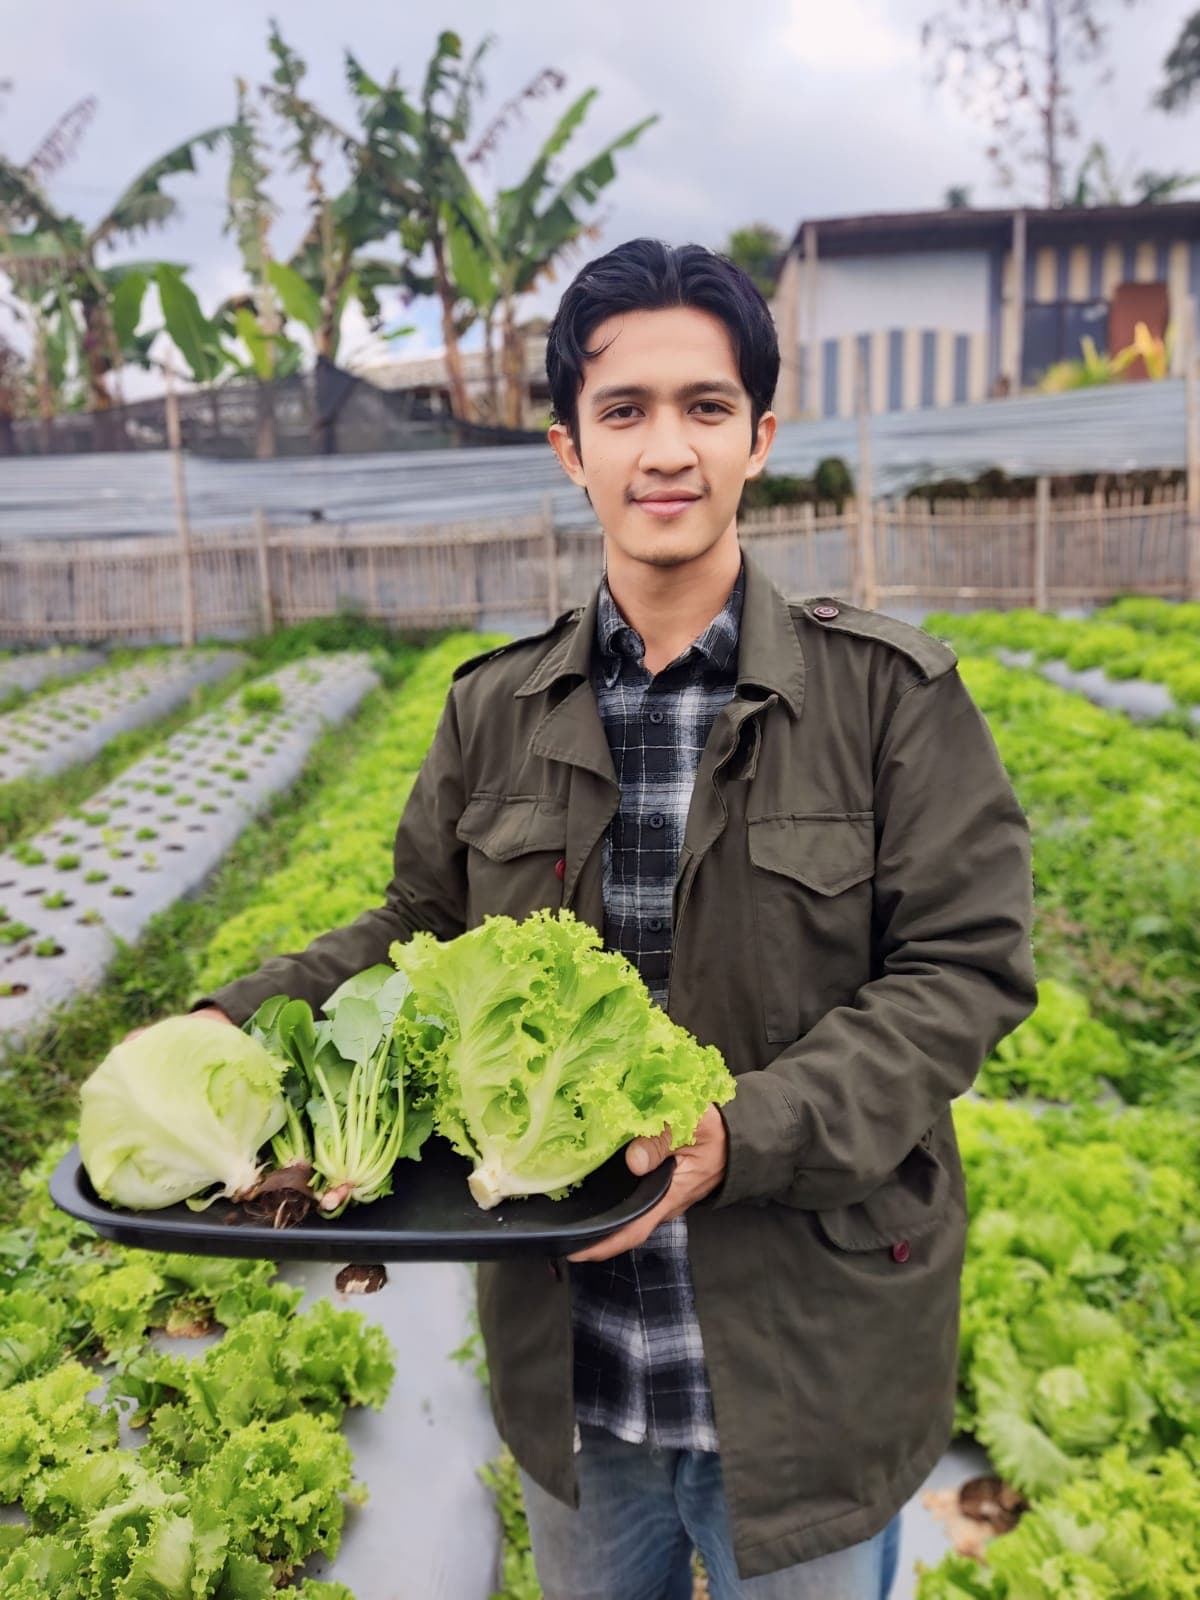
<point>661,506</point>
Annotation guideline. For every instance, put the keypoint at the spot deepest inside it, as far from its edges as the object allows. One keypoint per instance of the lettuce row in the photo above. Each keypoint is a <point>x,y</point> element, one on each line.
<point>1115,811</point>
<point>341,859</point>
<point>1123,651</point>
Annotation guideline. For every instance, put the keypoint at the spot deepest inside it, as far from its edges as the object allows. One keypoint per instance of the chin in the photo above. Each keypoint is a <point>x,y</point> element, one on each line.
<point>668,549</point>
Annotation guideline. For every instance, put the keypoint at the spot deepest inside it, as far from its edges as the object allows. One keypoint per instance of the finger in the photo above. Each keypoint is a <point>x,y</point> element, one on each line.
<point>643,1155</point>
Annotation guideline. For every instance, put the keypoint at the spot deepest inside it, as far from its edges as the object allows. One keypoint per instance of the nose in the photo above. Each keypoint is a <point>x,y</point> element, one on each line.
<point>665,445</point>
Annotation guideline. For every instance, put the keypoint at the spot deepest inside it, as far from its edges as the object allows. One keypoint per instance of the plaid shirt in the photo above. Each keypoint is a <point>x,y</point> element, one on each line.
<point>639,1359</point>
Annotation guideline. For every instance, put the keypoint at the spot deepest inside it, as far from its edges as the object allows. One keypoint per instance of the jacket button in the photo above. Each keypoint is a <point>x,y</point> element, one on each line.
<point>560,868</point>
<point>826,613</point>
<point>900,1251</point>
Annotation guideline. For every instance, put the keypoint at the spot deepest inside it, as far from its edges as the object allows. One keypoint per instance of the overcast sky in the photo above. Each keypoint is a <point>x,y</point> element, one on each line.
<point>775,111</point>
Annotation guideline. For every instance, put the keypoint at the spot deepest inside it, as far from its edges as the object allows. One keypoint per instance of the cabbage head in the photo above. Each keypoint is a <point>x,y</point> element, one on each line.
<point>186,1105</point>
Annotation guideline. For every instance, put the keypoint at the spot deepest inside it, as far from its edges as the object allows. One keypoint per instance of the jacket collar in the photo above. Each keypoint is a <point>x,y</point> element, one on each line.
<point>769,653</point>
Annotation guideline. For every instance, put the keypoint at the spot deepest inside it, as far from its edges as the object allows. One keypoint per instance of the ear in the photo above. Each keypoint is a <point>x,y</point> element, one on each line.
<point>763,439</point>
<point>564,448</point>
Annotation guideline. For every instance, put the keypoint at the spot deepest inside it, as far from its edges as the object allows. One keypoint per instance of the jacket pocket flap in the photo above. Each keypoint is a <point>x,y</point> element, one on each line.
<point>504,827</point>
<point>827,854</point>
<point>907,1205</point>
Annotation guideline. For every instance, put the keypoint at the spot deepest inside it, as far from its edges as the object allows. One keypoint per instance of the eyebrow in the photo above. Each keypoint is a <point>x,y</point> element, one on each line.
<point>640,391</point>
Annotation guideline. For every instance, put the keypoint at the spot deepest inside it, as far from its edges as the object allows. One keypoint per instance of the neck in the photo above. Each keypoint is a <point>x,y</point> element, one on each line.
<point>670,606</point>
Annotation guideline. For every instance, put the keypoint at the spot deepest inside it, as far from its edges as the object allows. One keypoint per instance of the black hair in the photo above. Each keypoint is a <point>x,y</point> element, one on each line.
<point>649,275</point>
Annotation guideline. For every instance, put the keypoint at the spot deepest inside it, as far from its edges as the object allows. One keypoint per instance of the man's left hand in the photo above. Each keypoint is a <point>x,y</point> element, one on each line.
<point>699,1168</point>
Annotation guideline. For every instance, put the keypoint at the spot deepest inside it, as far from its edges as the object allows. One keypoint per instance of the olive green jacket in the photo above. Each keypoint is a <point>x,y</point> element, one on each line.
<point>852,925</point>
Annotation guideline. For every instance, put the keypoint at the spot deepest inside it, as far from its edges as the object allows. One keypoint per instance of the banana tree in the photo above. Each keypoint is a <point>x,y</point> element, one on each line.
<point>330,257</point>
<point>408,158</point>
<point>33,231</point>
<point>502,251</point>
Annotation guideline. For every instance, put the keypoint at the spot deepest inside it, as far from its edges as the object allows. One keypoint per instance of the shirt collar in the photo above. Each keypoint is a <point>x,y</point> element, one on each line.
<point>619,642</point>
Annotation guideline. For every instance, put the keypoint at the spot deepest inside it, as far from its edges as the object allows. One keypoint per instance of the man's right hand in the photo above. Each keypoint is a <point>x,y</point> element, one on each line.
<point>202,1011</point>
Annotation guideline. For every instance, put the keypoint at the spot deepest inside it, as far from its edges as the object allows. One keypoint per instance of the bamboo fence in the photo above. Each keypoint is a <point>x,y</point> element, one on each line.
<point>1048,551</point>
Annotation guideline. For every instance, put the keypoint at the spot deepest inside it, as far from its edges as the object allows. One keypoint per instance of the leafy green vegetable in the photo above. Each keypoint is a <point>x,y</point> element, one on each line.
<point>1060,1051</point>
<point>545,1053</point>
<point>1128,1532</point>
<point>351,1114</point>
<point>279,1487</point>
<point>183,1106</point>
<point>1081,1286</point>
<point>344,849</point>
<point>49,1421</point>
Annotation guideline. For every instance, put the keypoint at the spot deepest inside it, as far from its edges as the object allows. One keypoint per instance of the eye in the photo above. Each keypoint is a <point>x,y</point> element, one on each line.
<point>721,410</point>
<point>616,412</point>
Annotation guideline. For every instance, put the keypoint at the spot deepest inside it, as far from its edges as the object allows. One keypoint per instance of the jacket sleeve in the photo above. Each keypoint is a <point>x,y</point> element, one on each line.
<point>836,1113</point>
<point>427,891</point>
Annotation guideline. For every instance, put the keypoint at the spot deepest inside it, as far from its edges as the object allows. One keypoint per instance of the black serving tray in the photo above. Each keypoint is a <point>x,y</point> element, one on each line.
<point>430,1217</point>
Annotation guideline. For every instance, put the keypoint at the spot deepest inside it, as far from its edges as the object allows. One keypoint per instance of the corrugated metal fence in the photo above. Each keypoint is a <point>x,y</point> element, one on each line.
<point>1117,429</point>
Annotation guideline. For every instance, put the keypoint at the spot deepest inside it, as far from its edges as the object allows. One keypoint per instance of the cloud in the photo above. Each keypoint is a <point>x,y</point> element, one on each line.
<point>786,110</point>
<point>855,38</point>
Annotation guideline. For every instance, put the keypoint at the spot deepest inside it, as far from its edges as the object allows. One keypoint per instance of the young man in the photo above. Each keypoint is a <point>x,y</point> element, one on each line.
<point>792,818</point>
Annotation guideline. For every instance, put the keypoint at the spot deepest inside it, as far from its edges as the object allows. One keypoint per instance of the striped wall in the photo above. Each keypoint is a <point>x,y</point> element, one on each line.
<point>914,367</point>
<point>905,369</point>
<point>1086,272</point>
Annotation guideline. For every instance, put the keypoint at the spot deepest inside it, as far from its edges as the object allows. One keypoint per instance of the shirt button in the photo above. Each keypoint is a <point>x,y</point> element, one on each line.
<point>654,925</point>
<point>900,1251</point>
<point>656,716</point>
<point>656,819</point>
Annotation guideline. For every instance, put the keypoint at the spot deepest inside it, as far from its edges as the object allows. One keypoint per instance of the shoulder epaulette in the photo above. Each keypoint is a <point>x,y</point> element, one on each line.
<point>515,644</point>
<point>931,655</point>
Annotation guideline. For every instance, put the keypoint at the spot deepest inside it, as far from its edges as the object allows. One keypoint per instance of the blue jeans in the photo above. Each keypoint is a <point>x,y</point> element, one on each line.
<point>641,1512</point>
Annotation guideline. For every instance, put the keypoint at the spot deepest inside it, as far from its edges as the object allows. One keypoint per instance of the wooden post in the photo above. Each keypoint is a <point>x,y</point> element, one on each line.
<point>1041,539</point>
<point>865,591</point>
<point>553,587</point>
<point>1018,302</point>
<point>1192,580</point>
<point>812,377</point>
<point>785,308</point>
<point>187,580</point>
<point>266,609</point>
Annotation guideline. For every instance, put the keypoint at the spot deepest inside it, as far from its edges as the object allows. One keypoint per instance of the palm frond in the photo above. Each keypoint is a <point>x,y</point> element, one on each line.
<point>22,200</point>
<point>144,204</point>
<point>62,141</point>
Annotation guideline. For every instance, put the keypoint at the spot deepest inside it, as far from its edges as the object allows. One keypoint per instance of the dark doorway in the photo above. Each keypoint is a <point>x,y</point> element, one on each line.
<point>1133,303</point>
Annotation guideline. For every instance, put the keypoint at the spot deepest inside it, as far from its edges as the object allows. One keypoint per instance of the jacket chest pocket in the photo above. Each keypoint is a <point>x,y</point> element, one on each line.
<point>812,896</point>
<point>515,843</point>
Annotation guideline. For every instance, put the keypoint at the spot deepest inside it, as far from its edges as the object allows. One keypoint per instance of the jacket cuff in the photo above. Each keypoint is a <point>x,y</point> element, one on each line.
<point>763,1142</point>
<point>235,1000</point>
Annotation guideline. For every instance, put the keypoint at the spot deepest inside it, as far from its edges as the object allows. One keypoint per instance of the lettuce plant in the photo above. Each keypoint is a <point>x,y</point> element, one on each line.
<point>545,1053</point>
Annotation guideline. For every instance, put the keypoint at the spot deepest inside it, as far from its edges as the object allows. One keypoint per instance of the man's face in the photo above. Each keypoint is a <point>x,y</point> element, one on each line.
<point>664,435</point>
